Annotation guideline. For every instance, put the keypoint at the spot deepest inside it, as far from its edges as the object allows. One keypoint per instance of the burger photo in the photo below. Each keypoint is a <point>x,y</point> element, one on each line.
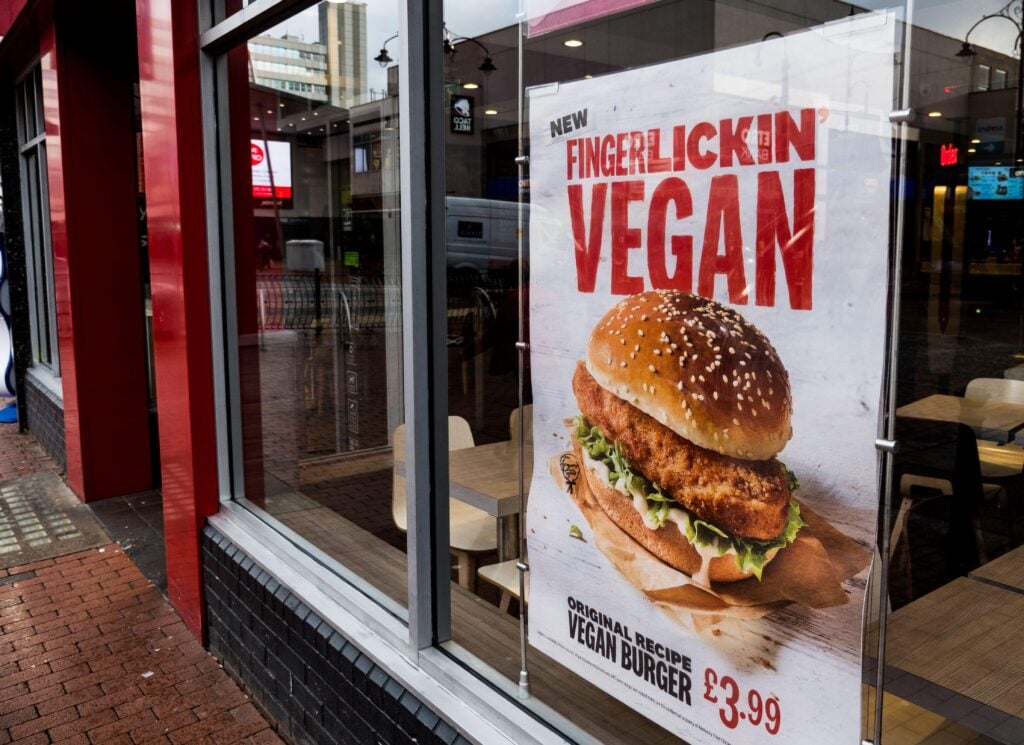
<point>684,406</point>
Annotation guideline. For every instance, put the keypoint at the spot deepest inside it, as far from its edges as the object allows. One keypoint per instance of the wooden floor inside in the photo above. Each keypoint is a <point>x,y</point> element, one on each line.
<point>477,625</point>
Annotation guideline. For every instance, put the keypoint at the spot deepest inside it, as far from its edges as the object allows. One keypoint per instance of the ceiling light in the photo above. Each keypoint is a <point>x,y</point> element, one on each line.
<point>255,118</point>
<point>934,114</point>
<point>975,141</point>
<point>470,86</point>
<point>572,43</point>
<point>270,111</point>
<point>491,112</point>
<point>972,150</point>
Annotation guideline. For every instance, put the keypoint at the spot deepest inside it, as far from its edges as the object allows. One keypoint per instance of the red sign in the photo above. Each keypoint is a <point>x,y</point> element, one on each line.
<point>949,155</point>
<point>256,153</point>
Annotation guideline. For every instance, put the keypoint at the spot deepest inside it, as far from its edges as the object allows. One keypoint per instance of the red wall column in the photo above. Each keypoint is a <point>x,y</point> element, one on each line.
<point>172,145</point>
<point>88,107</point>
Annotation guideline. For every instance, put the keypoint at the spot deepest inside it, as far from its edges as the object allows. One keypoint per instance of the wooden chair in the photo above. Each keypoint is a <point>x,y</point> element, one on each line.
<point>513,423</point>
<point>939,460</point>
<point>996,389</point>
<point>472,532</point>
<point>1006,484</point>
<point>505,576</point>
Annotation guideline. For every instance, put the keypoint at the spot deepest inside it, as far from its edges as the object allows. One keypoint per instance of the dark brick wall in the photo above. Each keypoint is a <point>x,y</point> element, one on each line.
<point>44,414</point>
<point>314,685</point>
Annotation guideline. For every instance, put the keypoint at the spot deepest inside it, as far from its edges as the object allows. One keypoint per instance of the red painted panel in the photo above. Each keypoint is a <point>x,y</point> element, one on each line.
<point>97,275</point>
<point>9,10</point>
<point>172,143</point>
<point>61,269</point>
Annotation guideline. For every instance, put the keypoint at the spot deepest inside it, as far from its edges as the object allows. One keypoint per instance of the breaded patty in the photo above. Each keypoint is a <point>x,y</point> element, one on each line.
<point>747,498</point>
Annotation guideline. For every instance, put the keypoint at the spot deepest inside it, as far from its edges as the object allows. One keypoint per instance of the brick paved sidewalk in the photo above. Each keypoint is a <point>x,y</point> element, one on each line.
<point>21,454</point>
<point>90,652</point>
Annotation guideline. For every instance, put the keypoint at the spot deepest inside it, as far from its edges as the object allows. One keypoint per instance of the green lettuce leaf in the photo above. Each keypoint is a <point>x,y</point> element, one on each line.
<point>751,554</point>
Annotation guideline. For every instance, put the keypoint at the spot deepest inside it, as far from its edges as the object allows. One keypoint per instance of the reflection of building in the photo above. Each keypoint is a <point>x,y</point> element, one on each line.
<point>336,63</point>
<point>343,33</point>
<point>290,64</point>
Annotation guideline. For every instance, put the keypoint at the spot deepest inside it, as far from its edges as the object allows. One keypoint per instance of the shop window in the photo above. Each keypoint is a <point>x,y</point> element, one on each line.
<point>317,281</point>
<point>36,211</point>
<point>983,79</point>
<point>708,150</point>
<point>593,83</point>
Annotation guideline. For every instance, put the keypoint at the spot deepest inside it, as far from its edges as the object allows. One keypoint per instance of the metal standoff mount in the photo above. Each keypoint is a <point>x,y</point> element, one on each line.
<point>524,345</point>
<point>522,159</point>
<point>887,446</point>
<point>522,567</point>
<point>901,116</point>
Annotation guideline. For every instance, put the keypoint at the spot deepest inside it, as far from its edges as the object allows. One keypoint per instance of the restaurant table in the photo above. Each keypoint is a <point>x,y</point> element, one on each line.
<point>990,419</point>
<point>487,477</point>
<point>1007,570</point>
<point>999,460</point>
<point>966,640</point>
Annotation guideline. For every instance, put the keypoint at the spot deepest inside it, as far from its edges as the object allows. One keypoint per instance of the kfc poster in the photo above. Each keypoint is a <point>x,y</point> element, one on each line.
<point>709,242</point>
<point>271,172</point>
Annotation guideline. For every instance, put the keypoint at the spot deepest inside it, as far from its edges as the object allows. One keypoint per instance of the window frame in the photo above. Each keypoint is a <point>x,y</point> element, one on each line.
<point>411,650</point>
<point>35,200</point>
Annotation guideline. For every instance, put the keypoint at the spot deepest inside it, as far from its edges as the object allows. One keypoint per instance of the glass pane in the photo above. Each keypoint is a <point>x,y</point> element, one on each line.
<point>636,80</point>
<point>317,280</point>
<point>19,112</point>
<point>956,574</point>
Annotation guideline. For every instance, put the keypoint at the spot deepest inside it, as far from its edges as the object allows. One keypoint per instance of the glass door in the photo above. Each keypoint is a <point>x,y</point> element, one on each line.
<point>952,635</point>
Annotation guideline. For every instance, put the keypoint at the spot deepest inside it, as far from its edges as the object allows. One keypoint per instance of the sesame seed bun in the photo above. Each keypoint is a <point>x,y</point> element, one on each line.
<point>697,367</point>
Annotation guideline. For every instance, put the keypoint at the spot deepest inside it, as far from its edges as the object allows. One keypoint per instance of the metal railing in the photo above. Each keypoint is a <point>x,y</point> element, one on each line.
<point>300,301</point>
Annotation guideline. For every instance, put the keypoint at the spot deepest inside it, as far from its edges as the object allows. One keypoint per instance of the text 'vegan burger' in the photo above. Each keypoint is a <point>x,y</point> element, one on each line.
<point>684,405</point>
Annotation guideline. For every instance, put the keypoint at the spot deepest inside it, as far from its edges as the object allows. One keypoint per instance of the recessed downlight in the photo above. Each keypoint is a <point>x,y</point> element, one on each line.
<point>572,43</point>
<point>491,112</point>
<point>470,86</point>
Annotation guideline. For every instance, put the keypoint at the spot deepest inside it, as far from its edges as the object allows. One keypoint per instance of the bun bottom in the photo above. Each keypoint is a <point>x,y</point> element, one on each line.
<point>668,543</point>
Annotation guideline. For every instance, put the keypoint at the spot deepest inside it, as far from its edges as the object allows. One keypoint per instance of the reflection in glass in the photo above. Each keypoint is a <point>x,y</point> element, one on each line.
<point>317,280</point>
<point>957,481</point>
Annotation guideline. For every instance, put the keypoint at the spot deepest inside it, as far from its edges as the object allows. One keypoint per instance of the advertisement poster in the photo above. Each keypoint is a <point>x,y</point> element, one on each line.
<point>708,265</point>
<point>271,157</point>
<point>994,182</point>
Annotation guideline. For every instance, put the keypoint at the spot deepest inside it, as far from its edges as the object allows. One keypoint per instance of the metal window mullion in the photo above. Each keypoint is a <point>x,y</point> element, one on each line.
<point>424,319</point>
<point>215,113</point>
<point>29,200</point>
<point>243,24</point>
<point>33,142</point>
<point>887,424</point>
<point>49,297</point>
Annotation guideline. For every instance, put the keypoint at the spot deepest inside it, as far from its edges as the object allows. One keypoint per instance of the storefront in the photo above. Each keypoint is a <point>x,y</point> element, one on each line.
<point>545,371</point>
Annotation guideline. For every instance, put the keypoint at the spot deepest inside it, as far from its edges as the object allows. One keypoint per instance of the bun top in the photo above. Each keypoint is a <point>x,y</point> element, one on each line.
<point>699,368</point>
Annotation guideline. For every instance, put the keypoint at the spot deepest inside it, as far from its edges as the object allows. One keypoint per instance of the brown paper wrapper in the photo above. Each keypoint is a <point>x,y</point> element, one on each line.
<point>810,571</point>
